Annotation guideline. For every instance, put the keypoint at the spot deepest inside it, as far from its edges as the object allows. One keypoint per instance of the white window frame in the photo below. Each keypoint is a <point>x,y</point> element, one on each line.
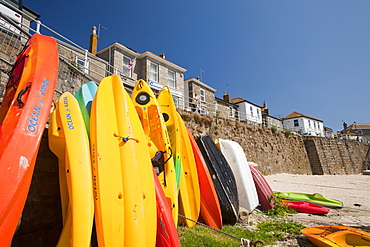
<point>175,100</point>
<point>202,110</point>
<point>231,109</point>
<point>153,74</point>
<point>171,78</point>
<point>126,71</point>
<point>202,95</point>
<point>82,64</point>
<point>295,123</point>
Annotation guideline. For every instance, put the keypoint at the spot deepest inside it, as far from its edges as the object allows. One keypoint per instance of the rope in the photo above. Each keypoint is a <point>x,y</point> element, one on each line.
<point>244,242</point>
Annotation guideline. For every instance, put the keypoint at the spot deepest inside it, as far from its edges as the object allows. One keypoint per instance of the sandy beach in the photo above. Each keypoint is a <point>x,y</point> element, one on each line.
<point>352,190</point>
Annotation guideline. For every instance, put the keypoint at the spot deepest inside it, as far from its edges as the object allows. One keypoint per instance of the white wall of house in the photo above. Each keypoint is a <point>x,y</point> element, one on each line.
<point>250,112</point>
<point>304,126</point>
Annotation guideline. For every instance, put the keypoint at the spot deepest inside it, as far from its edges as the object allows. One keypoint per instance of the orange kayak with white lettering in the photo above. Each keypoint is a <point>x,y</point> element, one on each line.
<point>23,115</point>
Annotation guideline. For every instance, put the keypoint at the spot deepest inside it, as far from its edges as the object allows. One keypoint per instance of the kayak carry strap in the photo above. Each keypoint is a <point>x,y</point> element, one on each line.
<point>19,97</point>
<point>158,162</point>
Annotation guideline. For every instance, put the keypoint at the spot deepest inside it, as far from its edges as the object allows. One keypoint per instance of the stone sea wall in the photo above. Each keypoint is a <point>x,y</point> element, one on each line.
<point>273,152</point>
<point>335,157</point>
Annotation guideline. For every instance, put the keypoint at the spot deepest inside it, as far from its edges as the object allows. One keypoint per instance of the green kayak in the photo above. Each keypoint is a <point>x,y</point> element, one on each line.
<point>311,198</point>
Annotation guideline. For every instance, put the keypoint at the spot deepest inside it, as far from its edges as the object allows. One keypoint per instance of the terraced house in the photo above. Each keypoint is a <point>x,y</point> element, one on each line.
<point>303,124</point>
<point>156,70</point>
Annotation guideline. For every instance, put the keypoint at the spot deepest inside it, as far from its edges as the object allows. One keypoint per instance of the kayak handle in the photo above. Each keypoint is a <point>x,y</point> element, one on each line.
<point>19,97</point>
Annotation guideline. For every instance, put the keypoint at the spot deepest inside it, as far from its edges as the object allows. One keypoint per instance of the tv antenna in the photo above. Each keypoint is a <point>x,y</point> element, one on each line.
<point>200,74</point>
<point>99,26</point>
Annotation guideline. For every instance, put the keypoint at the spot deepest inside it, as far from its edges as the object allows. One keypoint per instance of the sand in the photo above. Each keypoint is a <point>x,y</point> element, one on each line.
<point>352,190</point>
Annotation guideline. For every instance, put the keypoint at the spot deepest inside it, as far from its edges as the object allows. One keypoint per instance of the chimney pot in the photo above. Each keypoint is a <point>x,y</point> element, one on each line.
<point>93,41</point>
<point>226,97</point>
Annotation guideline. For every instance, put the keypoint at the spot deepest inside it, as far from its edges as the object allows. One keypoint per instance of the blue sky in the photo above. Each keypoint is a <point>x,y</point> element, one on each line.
<point>309,56</point>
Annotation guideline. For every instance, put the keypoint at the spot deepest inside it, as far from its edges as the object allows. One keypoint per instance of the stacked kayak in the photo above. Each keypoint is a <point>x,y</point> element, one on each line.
<point>85,95</point>
<point>306,207</point>
<point>235,156</point>
<point>159,143</point>
<point>124,190</point>
<point>315,198</point>
<point>345,236</point>
<point>189,199</point>
<point>264,190</point>
<point>223,179</point>
<point>168,109</point>
<point>68,140</point>
<point>210,211</point>
<point>23,114</point>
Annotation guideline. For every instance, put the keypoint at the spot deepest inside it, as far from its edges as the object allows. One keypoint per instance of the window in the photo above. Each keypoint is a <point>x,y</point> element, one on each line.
<point>231,112</point>
<point>296,124</point>
<point>126,68</point>
<point>171,79</point>
<point>82,64</point>
<point>153,72</point>
<point>258,113</point>
<point>309,123</point>
<point>175,100</point>
<point>251,110</point>
<point>203,110</point>
<point>202,95</point>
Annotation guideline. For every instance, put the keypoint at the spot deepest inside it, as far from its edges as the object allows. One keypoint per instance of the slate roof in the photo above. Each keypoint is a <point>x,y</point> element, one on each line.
<point>240,100</point>
<point>297,115</point>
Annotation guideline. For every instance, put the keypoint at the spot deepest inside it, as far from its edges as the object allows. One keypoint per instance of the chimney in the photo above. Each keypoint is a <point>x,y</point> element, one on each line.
<point>264,104</point>
<point>227,97</point>
<point>163,55</point>
<point>93,41</point>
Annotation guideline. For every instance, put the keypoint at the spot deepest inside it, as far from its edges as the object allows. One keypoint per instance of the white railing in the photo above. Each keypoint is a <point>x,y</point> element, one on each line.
<point>101,69</point>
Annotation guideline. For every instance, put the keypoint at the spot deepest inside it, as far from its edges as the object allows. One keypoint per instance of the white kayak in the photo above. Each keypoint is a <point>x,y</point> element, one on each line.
<point>235,156</point>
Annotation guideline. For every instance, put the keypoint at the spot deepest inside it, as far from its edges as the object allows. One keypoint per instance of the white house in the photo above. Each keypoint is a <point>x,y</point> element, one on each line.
<point>303,124</point>
<point>248,111</point>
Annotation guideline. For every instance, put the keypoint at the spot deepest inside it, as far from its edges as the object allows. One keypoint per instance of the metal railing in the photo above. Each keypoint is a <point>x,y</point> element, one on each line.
<point>80,66</point>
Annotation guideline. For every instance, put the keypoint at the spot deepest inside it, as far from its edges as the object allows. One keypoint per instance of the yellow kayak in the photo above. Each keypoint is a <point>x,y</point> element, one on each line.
<point>69,141</point>
<point>124,193</point>
<point>189,199</point>
<point>169,112</point>
<point>161,153</point>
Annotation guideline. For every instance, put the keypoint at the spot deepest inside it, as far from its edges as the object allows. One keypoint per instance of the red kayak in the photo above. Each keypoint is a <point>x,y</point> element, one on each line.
<point>210,210</point>
<point>166,230</point>
<point>23,115</point>
<point>306,207</point>
<point>263,189</point>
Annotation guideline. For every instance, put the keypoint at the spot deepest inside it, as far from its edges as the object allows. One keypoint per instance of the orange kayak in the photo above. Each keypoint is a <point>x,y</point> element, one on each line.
<point>345,236</point>
<point>23,115</point>
<point>210,210</point>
